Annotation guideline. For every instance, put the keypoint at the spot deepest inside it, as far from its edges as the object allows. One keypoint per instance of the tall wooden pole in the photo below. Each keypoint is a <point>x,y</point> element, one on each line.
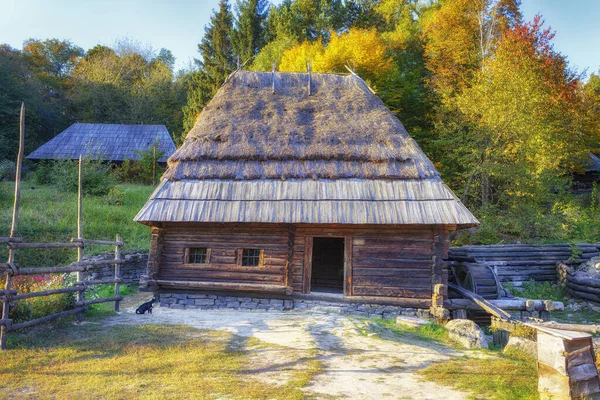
<point>154,167</point>
<point>13,226</point>
<point>117,271</point>
<point>79,234</point>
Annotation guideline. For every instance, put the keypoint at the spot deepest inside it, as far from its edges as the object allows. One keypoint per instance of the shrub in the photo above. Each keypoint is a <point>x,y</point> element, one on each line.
<point>37,307</point>
<point>97,179</point>
<point>43,172</point>
<point>115,197</point>
<point>7,170</point>
<point>140,170</point>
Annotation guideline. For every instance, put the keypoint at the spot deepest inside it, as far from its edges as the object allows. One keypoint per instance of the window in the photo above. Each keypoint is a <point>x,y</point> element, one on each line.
<point>251,257</point>
<point>197,255</point>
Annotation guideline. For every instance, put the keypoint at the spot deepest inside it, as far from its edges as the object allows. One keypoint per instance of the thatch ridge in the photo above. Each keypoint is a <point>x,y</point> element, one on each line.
<point>341,130</point>
<point>112,142</point>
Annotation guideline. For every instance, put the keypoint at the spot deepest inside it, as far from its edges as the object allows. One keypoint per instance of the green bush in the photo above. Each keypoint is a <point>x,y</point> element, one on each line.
<point>97,179</point>
<point>7,170</point>
<point>115,197</point>
<point>140,170</point>
<point>42,174</point>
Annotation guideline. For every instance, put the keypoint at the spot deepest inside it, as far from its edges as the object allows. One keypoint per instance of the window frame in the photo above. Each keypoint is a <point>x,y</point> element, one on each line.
<point>187,253</point>
<point>240,258</point>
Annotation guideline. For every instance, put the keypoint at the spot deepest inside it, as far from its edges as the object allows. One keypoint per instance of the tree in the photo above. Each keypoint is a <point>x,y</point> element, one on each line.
<point>302,20</point>
<point>217,63</point>
<point>459,35</point>
<point>249,35</point>
<point>130,85</point>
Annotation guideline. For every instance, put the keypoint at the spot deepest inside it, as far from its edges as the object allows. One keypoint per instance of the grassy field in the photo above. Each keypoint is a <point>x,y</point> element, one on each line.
<point>48,215</point>
<point>91,361</point>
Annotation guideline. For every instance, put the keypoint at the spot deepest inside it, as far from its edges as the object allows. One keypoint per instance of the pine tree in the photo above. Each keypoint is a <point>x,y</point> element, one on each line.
<point>217,62</point>
<point>249,35</point>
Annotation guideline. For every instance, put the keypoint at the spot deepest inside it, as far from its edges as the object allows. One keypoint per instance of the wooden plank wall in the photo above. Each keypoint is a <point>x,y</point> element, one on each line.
<point>224,240</point>
<point>386,262</point>
<point>382,262</point>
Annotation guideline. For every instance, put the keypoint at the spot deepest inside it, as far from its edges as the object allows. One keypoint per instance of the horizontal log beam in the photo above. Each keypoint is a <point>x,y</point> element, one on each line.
<point>44,245</point>
<point>51,270</point>
<point>11,239</point>
<point>99,281</point>
<point>43,320</point>
<point>5,322</point>
<point>97,262</point>
<point>505,304</point>
<point>571,327</point>
<point>86,242</point>
<point>98,301</point>
<point>49,292</point>
<point>224,286</point>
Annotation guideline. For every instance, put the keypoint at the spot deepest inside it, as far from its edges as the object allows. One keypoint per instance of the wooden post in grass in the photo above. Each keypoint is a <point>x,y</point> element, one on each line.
<point>117,271</point>
<point>79,236</point>
<point>13,228</point>
<point>154,166</point>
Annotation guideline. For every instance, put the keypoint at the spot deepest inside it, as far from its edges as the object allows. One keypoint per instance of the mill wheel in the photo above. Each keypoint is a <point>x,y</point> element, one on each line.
<point>479,279</point>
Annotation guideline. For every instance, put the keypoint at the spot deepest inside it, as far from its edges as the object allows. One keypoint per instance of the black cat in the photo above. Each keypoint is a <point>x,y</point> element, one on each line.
<point>146,307</point>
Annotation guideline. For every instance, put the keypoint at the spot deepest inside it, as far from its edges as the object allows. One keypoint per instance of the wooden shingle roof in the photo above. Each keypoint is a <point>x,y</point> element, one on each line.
<point>111,142</point>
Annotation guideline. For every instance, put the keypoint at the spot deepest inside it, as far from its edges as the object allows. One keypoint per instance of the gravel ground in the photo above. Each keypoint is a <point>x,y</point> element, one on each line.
<point>356,366</point>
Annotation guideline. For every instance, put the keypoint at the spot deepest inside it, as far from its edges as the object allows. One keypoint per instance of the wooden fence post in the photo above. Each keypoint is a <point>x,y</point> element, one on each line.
<point>117,272</point>
<point>79,238</point>
<point>13,229</point>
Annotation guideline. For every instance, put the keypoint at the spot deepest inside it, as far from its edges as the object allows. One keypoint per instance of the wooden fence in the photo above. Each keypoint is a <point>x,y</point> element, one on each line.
<point>11,269</point>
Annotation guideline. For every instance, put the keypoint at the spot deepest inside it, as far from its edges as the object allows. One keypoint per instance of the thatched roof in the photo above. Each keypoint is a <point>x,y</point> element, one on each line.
<point>337,155</point>
<point>110,142</point>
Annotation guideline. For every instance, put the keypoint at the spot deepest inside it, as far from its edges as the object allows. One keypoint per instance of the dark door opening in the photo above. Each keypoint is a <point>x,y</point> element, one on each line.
<point>327,264</point>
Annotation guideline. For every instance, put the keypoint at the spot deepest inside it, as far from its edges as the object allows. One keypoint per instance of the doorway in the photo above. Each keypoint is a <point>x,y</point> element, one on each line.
<point>327,273</point>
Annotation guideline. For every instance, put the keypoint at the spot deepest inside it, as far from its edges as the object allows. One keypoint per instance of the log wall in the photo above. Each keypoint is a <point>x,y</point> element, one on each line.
<point>224,242</point>
<point>380,262</point>
<point>519,263</point>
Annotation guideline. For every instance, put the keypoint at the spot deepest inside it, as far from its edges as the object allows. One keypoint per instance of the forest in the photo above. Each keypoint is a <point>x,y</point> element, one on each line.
<point>504,117</point>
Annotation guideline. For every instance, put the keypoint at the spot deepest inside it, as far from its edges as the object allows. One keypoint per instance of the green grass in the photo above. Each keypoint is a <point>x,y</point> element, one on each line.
<point>537,290</point>
<point>102,310</point>
<point>490,375</point>
<point>49,215</point>
<point>431,332</point>
<point>498,378</point>
<point>150,361</point>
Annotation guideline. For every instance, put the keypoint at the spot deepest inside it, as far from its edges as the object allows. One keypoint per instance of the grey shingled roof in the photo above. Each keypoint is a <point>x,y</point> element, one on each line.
<point>336,156</point>
<point>111,142</point>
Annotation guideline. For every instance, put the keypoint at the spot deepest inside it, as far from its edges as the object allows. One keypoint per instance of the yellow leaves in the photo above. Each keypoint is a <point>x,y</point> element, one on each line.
<point>364,50</point>
<point>297,57</point>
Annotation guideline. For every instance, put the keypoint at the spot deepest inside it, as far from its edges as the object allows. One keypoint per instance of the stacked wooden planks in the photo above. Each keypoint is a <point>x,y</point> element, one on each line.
<point>519,263</point>
<point>578,285</point>
<point>566,365</point>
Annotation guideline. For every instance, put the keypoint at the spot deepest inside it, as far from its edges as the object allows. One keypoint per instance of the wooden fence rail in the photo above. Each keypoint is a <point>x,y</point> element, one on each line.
<point>10,269</point>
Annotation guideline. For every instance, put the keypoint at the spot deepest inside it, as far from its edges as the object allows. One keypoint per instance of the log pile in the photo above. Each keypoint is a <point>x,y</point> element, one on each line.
<point>578,284</point>
<point>519,263</point>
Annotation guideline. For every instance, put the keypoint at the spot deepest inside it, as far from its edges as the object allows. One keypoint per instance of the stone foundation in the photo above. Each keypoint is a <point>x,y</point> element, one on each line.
<point>131,270</point>
<point>216,301</point>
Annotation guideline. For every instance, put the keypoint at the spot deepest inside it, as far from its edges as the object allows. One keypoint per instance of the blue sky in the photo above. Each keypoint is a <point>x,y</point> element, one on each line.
<point>179,24</point>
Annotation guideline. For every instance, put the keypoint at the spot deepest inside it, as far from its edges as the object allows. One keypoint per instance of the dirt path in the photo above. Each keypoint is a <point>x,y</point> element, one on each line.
<point>356,366</point>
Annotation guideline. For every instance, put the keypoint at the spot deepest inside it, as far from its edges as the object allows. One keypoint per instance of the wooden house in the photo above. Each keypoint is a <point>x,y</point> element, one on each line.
<point>109,142</point>
<point>295,183</point>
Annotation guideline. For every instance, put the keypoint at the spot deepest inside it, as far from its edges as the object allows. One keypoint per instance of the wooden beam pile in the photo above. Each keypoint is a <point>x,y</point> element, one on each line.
<point>578,285</point>
<point>519,263</point>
